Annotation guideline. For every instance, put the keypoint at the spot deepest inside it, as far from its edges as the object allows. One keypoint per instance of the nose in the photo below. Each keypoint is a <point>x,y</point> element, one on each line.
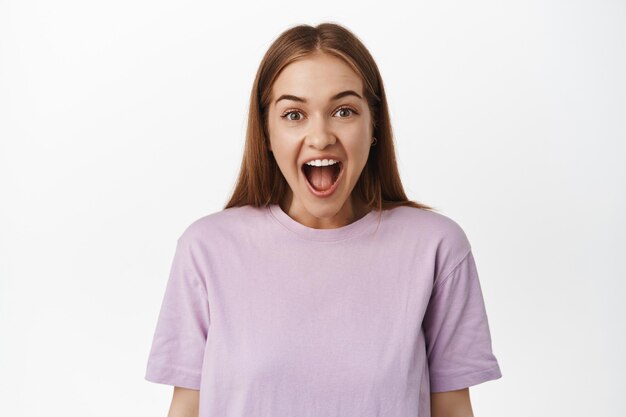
<point>320,134</point>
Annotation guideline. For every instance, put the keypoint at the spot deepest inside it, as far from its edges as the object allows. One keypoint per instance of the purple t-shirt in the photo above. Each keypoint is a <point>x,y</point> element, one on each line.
<point>270,318</point>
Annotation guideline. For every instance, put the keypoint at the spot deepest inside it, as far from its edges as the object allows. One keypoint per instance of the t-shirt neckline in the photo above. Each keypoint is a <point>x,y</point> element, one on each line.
<point>322,235</point>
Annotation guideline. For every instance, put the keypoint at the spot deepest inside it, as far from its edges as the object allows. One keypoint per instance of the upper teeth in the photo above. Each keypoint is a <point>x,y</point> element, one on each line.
<point>321,162</point>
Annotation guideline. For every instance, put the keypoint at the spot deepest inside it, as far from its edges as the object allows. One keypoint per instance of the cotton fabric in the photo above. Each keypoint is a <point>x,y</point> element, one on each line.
<point>270,318</point>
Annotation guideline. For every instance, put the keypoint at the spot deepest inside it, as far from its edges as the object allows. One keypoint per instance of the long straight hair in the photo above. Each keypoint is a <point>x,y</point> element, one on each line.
<point>260,180</point>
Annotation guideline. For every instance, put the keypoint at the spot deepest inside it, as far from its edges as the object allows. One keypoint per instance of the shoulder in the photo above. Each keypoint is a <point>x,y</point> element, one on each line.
<point>220,224</point>
<point>427,224</point>
<point>439,235</point>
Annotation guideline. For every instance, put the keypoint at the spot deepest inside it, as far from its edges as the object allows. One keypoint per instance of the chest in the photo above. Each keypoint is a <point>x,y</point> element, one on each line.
<point>334,316</point>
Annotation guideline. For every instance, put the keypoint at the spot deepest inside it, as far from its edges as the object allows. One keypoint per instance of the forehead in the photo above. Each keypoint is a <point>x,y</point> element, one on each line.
<point>316,77</point>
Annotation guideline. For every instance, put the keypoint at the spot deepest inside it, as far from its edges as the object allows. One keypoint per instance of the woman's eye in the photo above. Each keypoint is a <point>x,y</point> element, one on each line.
<point>347,111</point>
<point>288,115</point>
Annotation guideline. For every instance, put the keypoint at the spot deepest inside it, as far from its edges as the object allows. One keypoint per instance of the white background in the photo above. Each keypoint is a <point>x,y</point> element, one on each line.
<point>121,122</point>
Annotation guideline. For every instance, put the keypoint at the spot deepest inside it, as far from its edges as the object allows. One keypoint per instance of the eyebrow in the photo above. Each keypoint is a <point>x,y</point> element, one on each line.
<point>302,100</point>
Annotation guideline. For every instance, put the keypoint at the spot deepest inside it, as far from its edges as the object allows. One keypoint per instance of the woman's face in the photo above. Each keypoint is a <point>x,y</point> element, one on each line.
<point>318,111</point>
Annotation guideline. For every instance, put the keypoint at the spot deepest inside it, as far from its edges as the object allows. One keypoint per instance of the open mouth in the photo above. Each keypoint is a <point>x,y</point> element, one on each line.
<point>322,178</point>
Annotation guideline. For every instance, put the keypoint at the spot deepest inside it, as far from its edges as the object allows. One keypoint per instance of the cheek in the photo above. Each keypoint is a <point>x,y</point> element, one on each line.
<point>358,140</point>
<point>285,151</point>
<point>280,136</point>
<point>357,131</point>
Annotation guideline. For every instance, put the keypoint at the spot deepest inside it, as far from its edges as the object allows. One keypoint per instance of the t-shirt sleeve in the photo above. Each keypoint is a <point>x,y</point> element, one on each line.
<point>456,331</point>
<point>179,340</point>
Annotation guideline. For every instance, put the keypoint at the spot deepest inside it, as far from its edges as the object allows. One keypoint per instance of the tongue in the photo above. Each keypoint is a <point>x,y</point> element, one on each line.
<point>321,178</point>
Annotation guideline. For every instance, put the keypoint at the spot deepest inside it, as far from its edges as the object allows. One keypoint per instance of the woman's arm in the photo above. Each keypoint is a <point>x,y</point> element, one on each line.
<point>185,403</point>
<point>451,404</point>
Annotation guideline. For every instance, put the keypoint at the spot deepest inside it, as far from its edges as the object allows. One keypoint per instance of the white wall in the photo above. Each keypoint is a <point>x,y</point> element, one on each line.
<point>123,121</point>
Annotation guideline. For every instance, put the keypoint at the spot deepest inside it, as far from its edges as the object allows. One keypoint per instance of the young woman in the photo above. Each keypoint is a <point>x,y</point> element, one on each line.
<point>320,290</point>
